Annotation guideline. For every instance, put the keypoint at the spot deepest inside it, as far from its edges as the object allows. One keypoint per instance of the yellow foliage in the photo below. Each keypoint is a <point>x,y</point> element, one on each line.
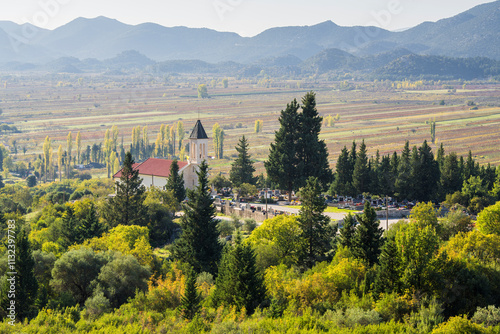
<point>133,240</point>
<point>52,247</point>
<point>474,245</point>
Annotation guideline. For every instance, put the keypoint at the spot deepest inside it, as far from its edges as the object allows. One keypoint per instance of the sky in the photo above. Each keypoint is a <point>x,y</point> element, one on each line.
<point>245,17</point>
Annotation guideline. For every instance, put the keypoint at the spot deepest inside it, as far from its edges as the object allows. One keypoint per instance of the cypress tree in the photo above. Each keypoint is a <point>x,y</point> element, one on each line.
<point>312,152</point>
<point>175,182</point>
<point>127,207</point>
<point>69,226</point>
<point>368,236</point>
<point>242,168</point>
<point>282,164</point>
<point>315,234</point>
<point>198,245</point>
<point>239,282</point>
<point>190,302</point>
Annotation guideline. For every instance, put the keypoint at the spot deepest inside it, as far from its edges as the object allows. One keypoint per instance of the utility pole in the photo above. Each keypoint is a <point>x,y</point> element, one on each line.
<point>386,213</point>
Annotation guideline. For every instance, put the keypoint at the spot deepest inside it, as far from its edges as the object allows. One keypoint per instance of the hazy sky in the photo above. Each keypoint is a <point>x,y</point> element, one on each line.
<point>246,17</point>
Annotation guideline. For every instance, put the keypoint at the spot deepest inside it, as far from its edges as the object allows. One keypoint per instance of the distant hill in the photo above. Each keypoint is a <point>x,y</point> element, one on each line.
<point>470,34</point>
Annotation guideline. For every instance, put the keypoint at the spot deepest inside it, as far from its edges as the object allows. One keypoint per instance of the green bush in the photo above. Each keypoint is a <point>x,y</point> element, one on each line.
<point>488,316</point>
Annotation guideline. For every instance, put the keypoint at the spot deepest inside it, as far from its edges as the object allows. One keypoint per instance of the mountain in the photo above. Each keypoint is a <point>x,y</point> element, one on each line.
<point>473,33</point>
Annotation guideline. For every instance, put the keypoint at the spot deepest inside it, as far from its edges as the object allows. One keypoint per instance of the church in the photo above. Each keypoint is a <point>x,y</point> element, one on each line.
<point>155,172</point>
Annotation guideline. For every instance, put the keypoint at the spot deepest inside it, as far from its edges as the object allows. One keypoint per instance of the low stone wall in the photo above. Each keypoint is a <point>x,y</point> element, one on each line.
<point>244,211</point>
<point>393,213</point>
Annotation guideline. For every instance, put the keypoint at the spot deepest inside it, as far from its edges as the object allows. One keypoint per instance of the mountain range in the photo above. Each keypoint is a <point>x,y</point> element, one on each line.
<point>90,44</point>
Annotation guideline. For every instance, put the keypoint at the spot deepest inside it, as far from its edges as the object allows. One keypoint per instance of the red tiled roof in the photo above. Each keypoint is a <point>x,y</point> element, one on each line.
<point>153,166</point>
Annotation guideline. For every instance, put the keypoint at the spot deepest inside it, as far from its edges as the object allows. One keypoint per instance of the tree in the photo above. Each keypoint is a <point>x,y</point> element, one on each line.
<point>311,151</point>
<point>423,214</point>
<point>175,182</point>
<point>59,160</point>
<point>26,282</point>
<point>258,125</point>
<point>121,277</point>
<point>225,82</point>
<point>360,175</point>
<point>343,177</point>
<point>47,153</point>
<point>89,226</point>
<point>426,171</point>
<point>277,241</point>
<point>387,279</point>
<point>416,249</point>
<point>199,244</point>
<point>74,272</point>
<point>239,283</point>
<point>488,220</point>
<point>1,182</point>
<point>78,146</point>
<point>242,168</point>
<point>127,207</point>
<point>314,224</point>
<point>218,134</point>
<point>30,181</point>
<point>282,163</point>
<point>180,133</point>
<point>403,179</point>
<point>69,143</point>
<point>368,236</point>
<point>190,302</point>
<point>450,175</point>
<point>433,131</point>
<point>202,91</point>
<point>347,232</point>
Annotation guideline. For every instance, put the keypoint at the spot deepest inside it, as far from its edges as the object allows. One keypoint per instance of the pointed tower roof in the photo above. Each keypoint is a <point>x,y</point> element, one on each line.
<point>198,132</point>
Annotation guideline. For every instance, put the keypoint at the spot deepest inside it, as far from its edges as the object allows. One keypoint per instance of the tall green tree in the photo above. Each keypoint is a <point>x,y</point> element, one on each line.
<point>26,282</point>
<point>175,182</point>
<point>388,271</point>
<point>347,232</point>
<point>343,176</point>
<point>127,206</point>
<point>315,234</point>
<point>239,283</point>
<point>199,244</point>
<point>360,176</point>
<point>311,151</point>
<point>426,174</point>
<point>190,302</point>
<point>368,236</point>
<point>450,176</point>
<point>242,168</point>
<point>282,163</point>
<point>403,180</point>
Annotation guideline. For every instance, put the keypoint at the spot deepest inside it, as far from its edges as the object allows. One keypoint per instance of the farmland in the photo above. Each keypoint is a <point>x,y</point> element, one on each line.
<point>384,117</point>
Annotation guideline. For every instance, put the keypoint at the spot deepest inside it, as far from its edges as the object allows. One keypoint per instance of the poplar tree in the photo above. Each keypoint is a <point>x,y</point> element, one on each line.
<point>127,206</point>
<point>175,182</point>
<point>78,146</point>
<point>242,168</point>
<point>69,143</point>
<point>198,245</point>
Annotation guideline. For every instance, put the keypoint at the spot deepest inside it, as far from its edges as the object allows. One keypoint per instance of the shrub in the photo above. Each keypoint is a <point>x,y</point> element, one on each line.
<point>488,316</point>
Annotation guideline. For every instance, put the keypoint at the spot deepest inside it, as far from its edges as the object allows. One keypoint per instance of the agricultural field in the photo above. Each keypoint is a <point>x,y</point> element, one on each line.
<point>384,117</point>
